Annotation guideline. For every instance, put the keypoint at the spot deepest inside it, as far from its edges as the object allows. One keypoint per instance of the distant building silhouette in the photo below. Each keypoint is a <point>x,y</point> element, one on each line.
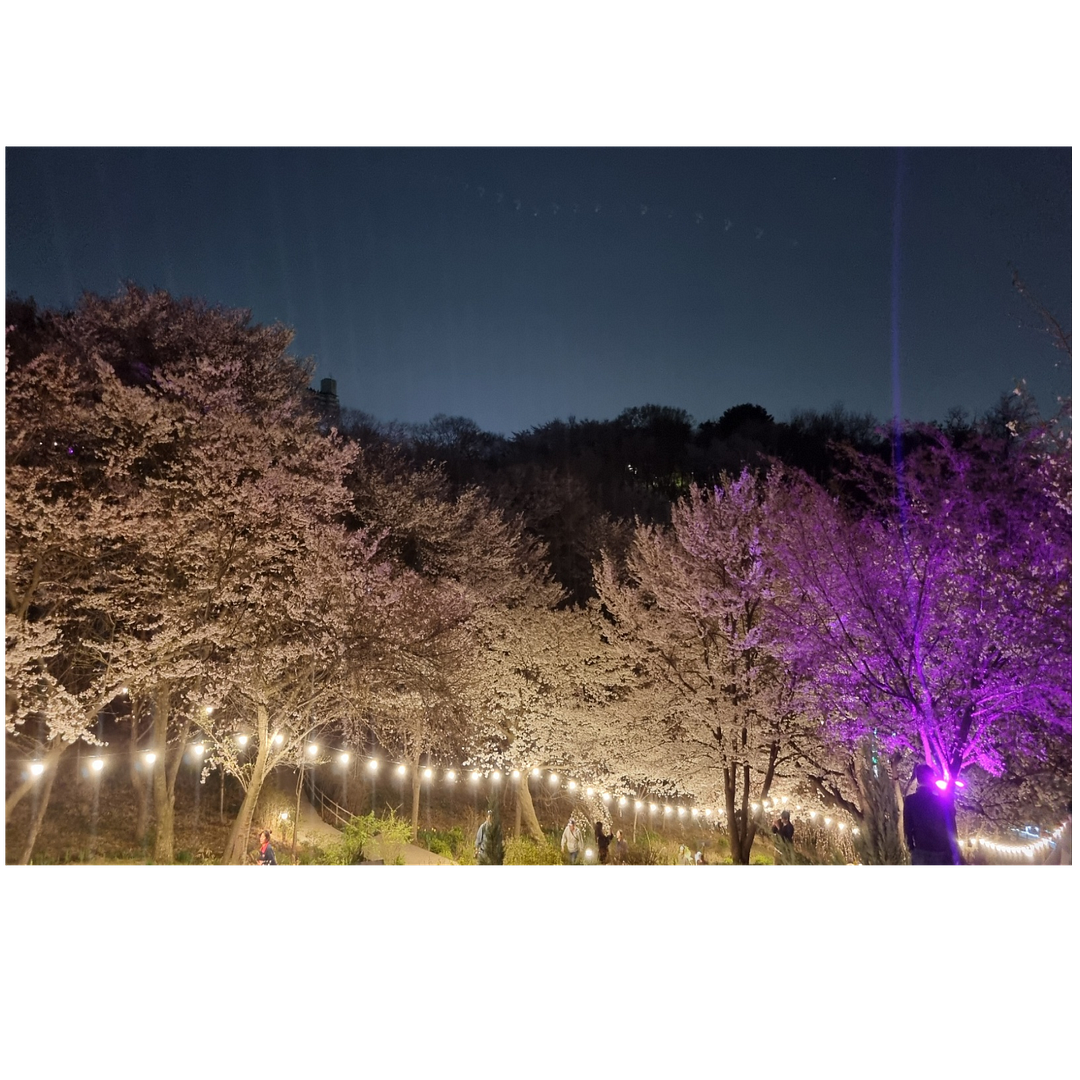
<point>326,402</point>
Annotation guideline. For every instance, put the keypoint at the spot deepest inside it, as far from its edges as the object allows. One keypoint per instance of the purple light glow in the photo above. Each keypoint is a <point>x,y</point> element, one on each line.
<point>942,580</point>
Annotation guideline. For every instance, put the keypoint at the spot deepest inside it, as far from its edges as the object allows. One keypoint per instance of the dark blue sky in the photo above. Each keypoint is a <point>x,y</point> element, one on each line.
<point>519,286</point>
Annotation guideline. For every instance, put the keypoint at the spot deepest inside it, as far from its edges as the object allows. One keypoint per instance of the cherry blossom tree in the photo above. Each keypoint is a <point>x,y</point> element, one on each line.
<point>691,609</point>
<point>930,606</point>
<point>205,501</point>
<point>553,695</point>
<point>63,659</point>
<point>467,566</point>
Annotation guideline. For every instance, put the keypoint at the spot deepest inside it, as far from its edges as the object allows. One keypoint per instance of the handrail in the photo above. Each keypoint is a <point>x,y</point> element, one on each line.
<point>326,807</point>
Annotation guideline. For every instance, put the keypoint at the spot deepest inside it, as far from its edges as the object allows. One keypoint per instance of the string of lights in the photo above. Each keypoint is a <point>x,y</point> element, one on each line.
<point>555,782</point>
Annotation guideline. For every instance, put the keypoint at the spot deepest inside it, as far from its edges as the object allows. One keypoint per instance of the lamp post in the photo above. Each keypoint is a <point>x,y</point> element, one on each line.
<point>197,752</point>
<point>344,761</point>
<point>148,764</point>
<point>37,770</point>
<point>313,750</point>
<point>309,751</point>
<point>96,765</point>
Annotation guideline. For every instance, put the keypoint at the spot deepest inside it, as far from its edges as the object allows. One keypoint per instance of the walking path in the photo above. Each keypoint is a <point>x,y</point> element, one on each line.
<point>310,828</point>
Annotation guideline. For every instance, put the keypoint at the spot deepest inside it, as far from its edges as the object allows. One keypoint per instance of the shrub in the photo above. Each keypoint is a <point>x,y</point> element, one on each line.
<point>524,853</point>
<point>446,842</point>
<point>355,835</point>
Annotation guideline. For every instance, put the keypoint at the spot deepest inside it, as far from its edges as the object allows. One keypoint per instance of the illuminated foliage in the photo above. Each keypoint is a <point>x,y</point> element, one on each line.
<point>691,609</point>
<point>930,605</point>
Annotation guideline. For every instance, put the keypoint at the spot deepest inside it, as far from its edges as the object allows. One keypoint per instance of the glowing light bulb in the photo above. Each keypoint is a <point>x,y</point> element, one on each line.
<point>553,778</point>
<point>37,768</point>
<point>209,708</point>
<point>708,811</point>
<point>516,774</point>
<point>588,853</point>
<point>693,811</point>
<point>151,758</point>
<point>344,759</point>
<point>653,808</point>
<point>373,765</point>
<point>783,798</point>
<point>312,749</point>
<point>622,800</point>
<point>97,764</point>
<point>813,813</point>
<point>841,826</point>
<point>828,821</point>
<point>496,775</point>
<point>589,792</point>
<point>451,775</point>
<point>637,805</point>
<point>571,785</point>
<point>198,749</point>
<point>427,774</point>
<point>401,770</point>
<point>242,740</point>
<point>754,806</point>
<point>284,815</point>
<point>682,811</point>
<point>536,772</point>
<point>279,739</point>
<point>475,777</point>
<point>606,797</point>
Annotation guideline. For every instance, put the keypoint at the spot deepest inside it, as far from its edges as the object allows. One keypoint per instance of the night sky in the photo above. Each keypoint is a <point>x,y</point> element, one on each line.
<point>517,286</point>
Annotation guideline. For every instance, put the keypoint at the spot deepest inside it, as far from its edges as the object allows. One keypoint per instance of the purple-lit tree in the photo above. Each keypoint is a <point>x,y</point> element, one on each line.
<point>930,606</point>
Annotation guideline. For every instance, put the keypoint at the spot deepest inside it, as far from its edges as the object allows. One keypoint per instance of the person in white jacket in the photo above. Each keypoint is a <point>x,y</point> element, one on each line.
<point>571,841</point>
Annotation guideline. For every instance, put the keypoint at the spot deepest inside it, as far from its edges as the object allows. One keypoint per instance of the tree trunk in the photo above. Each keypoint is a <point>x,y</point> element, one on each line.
<point>517,812</point>
<point>50,774</point>
<point>240,835</point>
<point>58,747</point>
<point>16,796</point>
<point>415,795</point>
<point>164,795</point>
<point>165,774</point>
<point>138,783</point>
<point>742,827</point>
<point>51,763</point>
<point>733,820</point>
<point>532,825</point>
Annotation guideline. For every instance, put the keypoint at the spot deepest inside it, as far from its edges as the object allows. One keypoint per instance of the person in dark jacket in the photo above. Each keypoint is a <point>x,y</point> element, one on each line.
<point>266,852</point>
<point>603,839</point>
<point>783,827</point>
<point>927,828</point>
